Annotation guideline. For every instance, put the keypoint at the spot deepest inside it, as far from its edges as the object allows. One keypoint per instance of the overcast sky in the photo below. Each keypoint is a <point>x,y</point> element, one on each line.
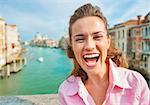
<point>51,16</point>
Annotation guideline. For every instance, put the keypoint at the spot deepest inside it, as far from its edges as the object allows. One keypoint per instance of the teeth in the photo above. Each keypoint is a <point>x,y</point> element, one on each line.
<point>91,56</point>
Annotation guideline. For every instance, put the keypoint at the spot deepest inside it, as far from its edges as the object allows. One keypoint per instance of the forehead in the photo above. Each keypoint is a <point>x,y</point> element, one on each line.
<point>88,25</point>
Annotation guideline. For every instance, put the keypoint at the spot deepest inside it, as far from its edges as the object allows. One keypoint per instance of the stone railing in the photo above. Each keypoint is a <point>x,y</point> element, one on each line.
<point>48,99</point>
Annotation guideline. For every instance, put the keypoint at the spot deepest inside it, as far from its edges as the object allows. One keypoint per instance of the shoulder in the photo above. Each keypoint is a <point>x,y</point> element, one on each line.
<point>134,78</point>
<point>130,74</point>
<point>137,84</point>
<point>125,74</point>
<point>69,86</point>
<point>129,78</point>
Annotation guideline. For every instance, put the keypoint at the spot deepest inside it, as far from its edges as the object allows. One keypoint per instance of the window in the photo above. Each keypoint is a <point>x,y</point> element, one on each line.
<point>142,32</point>
<point>122,46</point>
<point>145,58</point>
<point>118,34</point>
<point>142,45</point>
<point>146,31</point>
<point>129,34</point>
<point>149,30</point>
<point>123,33</point>
<point>133,56</point>
<point>141,57</point>
<point>145,65</point>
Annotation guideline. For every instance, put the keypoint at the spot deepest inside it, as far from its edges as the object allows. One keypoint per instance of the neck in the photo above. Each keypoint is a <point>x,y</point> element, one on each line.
<point>99,78</point>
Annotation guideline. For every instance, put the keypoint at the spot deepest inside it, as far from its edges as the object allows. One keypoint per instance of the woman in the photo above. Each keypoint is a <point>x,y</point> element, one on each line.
<point>99,76</point>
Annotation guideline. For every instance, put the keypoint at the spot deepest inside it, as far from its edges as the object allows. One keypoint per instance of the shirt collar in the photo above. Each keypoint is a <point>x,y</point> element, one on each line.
<point>72,85</point>
<point>117,77</point>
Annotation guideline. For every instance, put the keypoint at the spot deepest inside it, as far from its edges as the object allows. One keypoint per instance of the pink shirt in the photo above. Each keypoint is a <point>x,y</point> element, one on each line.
<point>126,87</point>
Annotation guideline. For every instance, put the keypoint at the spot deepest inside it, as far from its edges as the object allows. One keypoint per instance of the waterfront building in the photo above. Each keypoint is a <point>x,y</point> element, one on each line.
<point>11,59</point>
<point>119,34</point>
<point>51,43</point>
<point>139,44</point>
<point>112,32</point>
<point>45,37</point>
<point>133,37</point>
<point>13,42</point>
<point>43,41</point>
<point>2,43</point>
<point>145,52</point>
<point>38,36</point>
<point>37,40</point>
<point>134,46</point>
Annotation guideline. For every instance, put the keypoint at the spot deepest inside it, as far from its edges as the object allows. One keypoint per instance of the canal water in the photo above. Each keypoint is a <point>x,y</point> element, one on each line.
<point>38,77</point>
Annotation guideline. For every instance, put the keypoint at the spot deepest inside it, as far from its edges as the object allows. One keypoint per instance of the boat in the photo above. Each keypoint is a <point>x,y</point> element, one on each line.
<point>40,59</point>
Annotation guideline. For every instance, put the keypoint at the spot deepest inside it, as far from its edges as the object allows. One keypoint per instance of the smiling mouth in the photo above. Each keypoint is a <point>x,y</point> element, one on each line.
<point>91,59</point>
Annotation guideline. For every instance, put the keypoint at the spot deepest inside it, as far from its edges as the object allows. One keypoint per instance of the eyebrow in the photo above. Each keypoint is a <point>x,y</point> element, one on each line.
<point>98,32</point>
<point>81,35</point>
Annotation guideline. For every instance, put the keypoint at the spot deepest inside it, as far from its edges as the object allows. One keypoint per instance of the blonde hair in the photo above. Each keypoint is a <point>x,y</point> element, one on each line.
<point>114,53</point>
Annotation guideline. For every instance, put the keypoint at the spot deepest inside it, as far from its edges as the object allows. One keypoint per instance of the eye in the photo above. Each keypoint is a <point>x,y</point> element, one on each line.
<point>79,40</point>
<point>98,37</point>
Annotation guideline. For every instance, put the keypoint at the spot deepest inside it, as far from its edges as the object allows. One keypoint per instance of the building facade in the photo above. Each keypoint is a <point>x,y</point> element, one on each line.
<point>2,43</point>
<point>133,38</point>
<point>145,52</point>
<point>43,41</point>
<point>119,34</point>
<point>11,59</point>
<point>13,42</point>
<point>134,45</point>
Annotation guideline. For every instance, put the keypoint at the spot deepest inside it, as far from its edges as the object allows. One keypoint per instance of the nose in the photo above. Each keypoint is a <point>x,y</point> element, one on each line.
<point>90,44</point>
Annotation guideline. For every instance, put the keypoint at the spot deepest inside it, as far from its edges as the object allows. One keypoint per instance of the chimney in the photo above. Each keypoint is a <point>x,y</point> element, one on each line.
<point>139,19</point>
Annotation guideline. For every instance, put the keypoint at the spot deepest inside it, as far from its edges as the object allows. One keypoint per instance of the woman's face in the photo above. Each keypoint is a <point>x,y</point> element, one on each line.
<point>90,43</point>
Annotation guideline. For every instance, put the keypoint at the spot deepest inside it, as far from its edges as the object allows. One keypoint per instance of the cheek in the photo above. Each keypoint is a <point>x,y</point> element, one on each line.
<point>77,51</point>
<point>102,46</point>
